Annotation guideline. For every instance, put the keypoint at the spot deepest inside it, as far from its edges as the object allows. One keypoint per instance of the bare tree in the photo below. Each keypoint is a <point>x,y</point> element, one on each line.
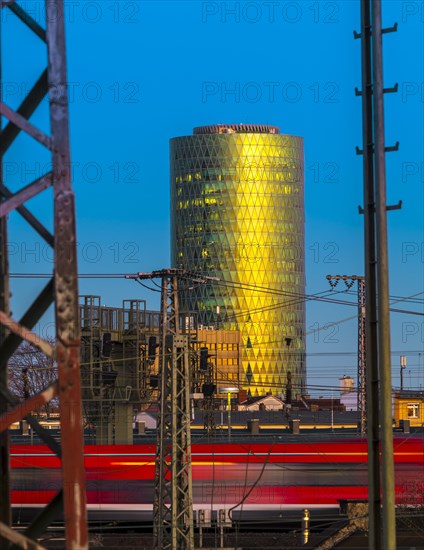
<point>410,511</point>
<point>30,371</point>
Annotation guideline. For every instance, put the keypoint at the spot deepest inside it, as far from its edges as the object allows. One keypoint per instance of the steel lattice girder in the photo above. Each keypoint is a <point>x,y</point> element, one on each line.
<point>62,290</point>
<point>362,356</point>
<point>173,503</point>
<point>349,281</point>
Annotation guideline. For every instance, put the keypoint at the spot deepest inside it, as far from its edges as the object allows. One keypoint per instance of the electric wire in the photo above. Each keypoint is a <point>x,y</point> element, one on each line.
<point>223,281</point>
<point>145,286</point>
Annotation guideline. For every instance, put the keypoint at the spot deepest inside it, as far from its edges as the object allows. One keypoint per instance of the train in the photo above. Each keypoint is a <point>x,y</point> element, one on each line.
<point>244,477</point>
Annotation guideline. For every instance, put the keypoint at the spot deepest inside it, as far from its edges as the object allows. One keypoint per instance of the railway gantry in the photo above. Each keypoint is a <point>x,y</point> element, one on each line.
<point>61,289</point>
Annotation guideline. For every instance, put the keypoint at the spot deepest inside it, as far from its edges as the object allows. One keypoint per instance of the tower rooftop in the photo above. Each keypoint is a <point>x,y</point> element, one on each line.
<point>237,129</point>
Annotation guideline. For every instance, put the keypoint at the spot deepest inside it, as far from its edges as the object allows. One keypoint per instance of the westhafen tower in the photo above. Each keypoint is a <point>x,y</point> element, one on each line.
<point>237,215</point>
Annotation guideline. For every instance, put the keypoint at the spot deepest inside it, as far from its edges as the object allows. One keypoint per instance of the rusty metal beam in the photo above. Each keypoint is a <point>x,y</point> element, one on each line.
<point>29,405</point>
<point>66,293</point>
<point>50,513</point>
<point>26,109</point>
<point>25,194</point>
<point>44,435</point>
<point>5,509</point>
<point>21,540</point>
<point>26,334</point>
<point>62,288</point>
<point>29,319</point>
<point>11,400</point>
<point>28,217</point>
<point>5,515</point>
<point>27,19</point>
<point>23,124</point>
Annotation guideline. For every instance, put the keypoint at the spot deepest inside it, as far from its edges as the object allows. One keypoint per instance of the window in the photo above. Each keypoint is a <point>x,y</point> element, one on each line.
<point>413,410</point>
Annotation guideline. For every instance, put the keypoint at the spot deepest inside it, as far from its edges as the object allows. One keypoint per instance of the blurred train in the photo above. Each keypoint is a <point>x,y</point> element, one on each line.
<point>244,477</point>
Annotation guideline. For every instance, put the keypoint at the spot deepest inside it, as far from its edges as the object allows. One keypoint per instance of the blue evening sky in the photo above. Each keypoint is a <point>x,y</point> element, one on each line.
<point>143,72</point>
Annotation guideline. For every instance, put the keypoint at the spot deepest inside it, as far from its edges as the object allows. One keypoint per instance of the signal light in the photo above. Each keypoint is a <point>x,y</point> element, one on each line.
<point>208,389</point>
<point>107,344</point>
<point>289,389</point>
<point>109,377</point>
<point>204,354</point>
<point>151,352</point>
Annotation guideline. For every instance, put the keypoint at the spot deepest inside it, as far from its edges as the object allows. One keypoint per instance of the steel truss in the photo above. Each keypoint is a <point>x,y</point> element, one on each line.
<point>362,357</point>
<point>362,349</point>
<point>208,401</point>
<point>61,290</point>
<point>116,370</point>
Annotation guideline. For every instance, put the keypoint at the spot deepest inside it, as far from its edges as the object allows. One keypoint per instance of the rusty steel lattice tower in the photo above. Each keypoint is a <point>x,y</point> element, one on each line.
<point>61,290</point>
<point>349,281</point>
<point>173,500</point>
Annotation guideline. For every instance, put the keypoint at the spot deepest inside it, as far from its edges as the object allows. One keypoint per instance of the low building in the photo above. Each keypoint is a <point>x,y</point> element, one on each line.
<point>317,404</point>
<point>348,393</point>
<point>267,403</point>
<point>149,420</point>
<point>350,401</point>
<point>409,405</point>
<point>306,403</point>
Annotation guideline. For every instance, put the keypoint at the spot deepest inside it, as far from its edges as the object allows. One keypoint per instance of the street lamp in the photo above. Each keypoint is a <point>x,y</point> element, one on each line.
<point>402,367</point>
<point>229,390</point>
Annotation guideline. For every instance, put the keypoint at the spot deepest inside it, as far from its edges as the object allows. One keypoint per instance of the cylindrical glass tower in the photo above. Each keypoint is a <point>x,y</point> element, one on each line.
<point>237,214</point>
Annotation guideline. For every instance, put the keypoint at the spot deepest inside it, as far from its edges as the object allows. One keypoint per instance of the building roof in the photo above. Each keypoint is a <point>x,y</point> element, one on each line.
<point>409,394</point>
<point>258,399</point>
<point>237,129</point>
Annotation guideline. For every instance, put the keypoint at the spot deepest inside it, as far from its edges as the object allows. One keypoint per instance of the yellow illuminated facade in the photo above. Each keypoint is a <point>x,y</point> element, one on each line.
<point>237,215</point>
<point>225,349</point>
<point>409,405</point>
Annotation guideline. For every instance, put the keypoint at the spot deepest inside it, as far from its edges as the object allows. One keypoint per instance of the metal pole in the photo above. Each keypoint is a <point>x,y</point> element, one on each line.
<point>305,526</point>
<point>66,290</point>
<point>173,500</point>
<point>229,415</point>
<point>389,520</point>
<point>401,378</point>
<point>402,366</point>
<point>372,381</point>
<point>5,516</point>
<point>161,508</point>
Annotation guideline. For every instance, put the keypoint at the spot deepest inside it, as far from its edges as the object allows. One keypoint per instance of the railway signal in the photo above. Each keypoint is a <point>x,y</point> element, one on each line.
<point>151,351</point>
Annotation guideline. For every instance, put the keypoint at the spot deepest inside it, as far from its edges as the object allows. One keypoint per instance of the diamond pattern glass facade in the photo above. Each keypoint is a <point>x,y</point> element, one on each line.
<point>237,214</point>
